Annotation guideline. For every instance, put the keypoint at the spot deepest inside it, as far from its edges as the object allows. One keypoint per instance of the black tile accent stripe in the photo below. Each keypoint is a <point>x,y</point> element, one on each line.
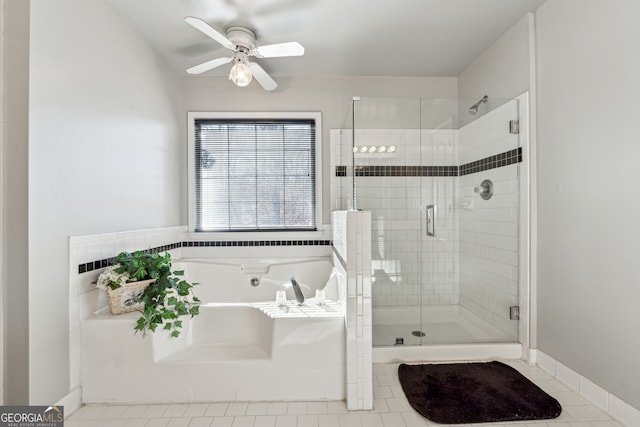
<point>406,170</point>
<point>102,263</point>
<point>226,243</point>
<point>499,160</point>
<point>95,265</point>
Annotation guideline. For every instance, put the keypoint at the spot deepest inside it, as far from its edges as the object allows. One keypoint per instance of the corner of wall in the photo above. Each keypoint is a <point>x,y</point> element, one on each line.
<point>601,398</point>
<point>14,217</point>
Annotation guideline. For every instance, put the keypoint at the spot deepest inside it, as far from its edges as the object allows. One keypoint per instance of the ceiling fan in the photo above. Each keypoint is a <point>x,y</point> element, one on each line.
<point>242,41</point>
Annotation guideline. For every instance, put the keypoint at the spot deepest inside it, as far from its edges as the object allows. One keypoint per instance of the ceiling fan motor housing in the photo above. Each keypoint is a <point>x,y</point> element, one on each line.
<point>242,37</point>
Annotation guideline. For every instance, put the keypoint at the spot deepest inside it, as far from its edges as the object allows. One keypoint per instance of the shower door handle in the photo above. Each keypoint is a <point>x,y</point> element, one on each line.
<point>431,220</point>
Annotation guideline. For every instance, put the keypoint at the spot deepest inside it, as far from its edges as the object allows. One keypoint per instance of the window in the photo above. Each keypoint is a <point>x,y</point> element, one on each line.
<point>253,174</point>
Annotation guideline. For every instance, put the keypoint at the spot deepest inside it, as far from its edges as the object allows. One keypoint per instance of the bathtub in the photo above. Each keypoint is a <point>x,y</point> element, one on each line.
<point>242,346</point>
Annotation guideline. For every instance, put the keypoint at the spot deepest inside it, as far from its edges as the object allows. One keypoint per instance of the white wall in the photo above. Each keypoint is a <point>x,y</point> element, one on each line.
<point>105,154</point>
<point>502,71</point>
<point>329,95</point>
<point>15,134</point>
<point>588,228</point>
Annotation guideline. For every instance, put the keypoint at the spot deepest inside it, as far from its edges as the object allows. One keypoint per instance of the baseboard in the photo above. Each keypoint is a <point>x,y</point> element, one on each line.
<point>71,402</point>
<point>601,398</point>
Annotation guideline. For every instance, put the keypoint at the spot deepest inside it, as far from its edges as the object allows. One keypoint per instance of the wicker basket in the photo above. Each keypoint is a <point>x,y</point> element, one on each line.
<point>127,297</point>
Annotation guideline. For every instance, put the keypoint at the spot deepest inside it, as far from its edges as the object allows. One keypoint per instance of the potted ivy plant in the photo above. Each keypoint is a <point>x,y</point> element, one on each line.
<point>145,282</point>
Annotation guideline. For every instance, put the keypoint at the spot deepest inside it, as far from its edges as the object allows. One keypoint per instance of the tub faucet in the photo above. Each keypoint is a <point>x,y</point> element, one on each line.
<point>297,290</point>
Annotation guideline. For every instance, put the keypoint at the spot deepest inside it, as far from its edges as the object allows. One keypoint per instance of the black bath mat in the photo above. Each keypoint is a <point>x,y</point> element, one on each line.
<point>460,393</point>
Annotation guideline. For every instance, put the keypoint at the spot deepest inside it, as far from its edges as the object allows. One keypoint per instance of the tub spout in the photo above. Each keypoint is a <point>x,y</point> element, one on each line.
<point>297,290</point>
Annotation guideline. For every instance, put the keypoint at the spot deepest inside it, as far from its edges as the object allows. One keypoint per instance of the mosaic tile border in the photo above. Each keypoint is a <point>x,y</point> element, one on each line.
<point>499,160</point>
<point>102,263</point>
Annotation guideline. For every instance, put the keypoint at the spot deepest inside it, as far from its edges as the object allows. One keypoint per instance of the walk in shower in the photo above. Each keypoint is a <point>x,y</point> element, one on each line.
<point>441,178</point>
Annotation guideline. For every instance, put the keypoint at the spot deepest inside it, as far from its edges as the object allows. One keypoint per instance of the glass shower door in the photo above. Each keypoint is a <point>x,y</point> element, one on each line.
<point>470,279</point>
<point>387,153</point>
<point>489,212</point>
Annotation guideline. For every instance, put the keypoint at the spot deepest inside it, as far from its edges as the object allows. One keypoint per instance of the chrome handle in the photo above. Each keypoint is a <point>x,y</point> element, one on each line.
<point>431,220</point>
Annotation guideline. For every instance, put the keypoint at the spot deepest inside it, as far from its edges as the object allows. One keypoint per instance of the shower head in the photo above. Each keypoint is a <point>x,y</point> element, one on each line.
<point>473,110</point>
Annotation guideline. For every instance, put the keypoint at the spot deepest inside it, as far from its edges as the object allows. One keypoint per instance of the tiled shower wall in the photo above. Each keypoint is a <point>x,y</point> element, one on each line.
<point>489,231</point>
<point>397,192</point>
<point>472,259</point>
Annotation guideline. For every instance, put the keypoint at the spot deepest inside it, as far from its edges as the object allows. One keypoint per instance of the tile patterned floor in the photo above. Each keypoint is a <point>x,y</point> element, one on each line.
<point>391,410</point>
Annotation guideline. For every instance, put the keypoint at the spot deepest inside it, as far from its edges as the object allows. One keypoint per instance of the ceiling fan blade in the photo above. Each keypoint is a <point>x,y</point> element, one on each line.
<point>199,24</point>
<point>209,65</point>
<point>280,49</point>
<point>262,77</point>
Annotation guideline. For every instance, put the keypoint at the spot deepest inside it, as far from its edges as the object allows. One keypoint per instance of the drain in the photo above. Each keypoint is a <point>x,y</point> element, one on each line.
<point>399,341</point>
<point>418,334</point>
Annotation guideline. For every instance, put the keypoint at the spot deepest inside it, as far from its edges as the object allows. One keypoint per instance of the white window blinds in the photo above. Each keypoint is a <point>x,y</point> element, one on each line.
<point>253,175</point>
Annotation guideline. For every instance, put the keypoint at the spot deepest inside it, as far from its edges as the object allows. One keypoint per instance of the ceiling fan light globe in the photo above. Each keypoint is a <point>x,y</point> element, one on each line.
<point>240,74</point>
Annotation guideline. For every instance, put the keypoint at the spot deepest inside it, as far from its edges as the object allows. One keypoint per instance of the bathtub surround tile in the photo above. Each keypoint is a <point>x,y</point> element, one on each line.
<point>91,297</point>
<point>97,264</point>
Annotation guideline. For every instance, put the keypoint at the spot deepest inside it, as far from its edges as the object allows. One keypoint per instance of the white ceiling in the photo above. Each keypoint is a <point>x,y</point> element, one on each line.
<point>341,37</point>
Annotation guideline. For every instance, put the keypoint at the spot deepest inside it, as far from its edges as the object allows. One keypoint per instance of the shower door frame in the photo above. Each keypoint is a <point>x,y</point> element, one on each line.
<point>526,255</point>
